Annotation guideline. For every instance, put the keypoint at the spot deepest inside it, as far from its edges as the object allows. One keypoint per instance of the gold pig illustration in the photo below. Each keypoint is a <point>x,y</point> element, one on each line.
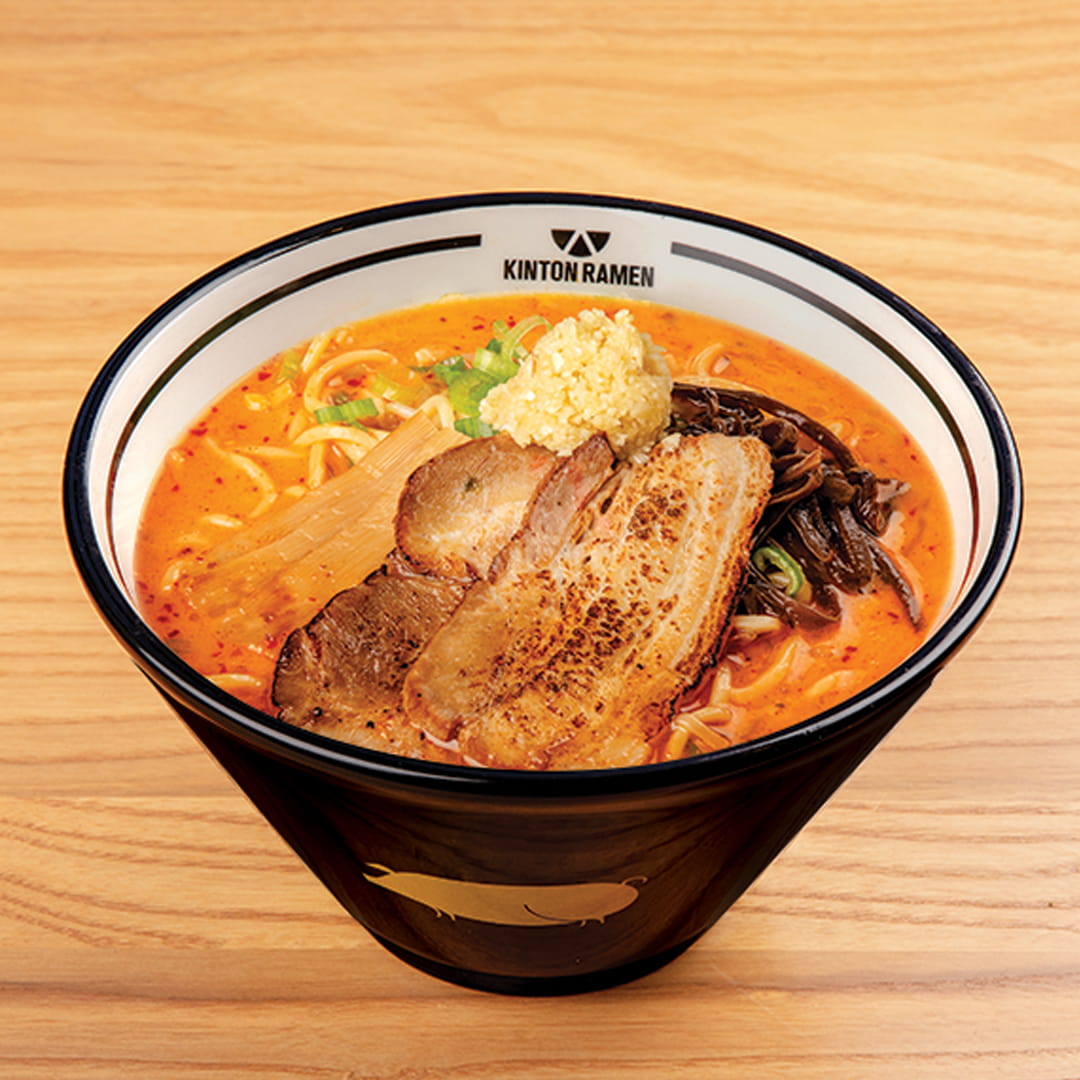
<point>510,905</point>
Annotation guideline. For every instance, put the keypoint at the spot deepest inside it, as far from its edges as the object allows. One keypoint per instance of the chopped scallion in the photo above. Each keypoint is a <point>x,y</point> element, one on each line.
<point>474,427</point>
<point>510,341</point>
<point>780,568</point>
<point>446,370</point>
<point>346,411</point>
<point>388,388</point>
<point>494,362</point>
<point>290,365</point>
<point>468,389</point>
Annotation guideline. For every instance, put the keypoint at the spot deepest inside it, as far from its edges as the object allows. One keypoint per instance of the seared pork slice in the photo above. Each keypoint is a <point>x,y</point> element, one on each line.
<point>553,513</point>
<point>598,614</point>
<point>458,510</point>
<point>439,679</point>
<point>341,675</point>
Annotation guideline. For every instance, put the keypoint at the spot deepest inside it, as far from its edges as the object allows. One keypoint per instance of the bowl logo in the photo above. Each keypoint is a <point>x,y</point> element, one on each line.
<point>580,244</point>
<point>510,905</point>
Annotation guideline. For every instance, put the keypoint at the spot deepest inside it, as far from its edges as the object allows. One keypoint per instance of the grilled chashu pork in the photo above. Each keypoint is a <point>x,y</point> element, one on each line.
<point>596,616</point>
<point>341,674</point>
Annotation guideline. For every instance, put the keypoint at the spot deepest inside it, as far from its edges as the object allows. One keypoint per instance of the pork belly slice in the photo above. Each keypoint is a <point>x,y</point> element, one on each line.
<point>341,675</point>
<point>598,614</point>
<point>458,510</point>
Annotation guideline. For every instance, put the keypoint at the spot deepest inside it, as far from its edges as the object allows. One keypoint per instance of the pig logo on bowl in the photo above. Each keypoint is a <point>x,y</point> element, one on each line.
<point>510,905</point>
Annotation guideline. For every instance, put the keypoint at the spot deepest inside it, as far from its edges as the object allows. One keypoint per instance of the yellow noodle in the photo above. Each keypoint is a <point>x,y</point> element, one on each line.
<point>835,680</point>
<point>697,378</point>
<point>714,714</point>
<point>439,409</point>
<point>752,626</point>
<point>706,737</point>
<point>263,481</point>
<point>675,746</point>
<point>281,453</point>
<point>316,384</point>
<point>720,692</point>
<point>174,571</point>
<point>278,396</point>
<point>222,521</point>
<point>769,679</point>
<point>300,421</point>
<point>244,464</point>
<point>236,680</point>
<point>703,361</point>
<point>257,473</point>
<point>264,504</point>
<point>315,349</point>
<point>337,433</point>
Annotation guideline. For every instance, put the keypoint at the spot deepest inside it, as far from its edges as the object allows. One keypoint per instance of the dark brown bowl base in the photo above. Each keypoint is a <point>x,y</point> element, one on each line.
<point>559,985</point>
<point>531,895</point>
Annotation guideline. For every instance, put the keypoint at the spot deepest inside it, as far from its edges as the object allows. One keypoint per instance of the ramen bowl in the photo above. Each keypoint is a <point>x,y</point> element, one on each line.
<point>516,881</point>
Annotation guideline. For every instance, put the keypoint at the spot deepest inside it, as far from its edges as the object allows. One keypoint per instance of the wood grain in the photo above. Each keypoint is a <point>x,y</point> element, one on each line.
<point>927,922</point>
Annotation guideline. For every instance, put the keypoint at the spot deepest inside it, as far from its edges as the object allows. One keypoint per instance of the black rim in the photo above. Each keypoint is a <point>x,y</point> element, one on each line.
<point>198,693</point>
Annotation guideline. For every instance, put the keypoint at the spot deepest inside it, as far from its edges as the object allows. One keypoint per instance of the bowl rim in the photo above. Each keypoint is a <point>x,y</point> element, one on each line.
<point>324,754</point>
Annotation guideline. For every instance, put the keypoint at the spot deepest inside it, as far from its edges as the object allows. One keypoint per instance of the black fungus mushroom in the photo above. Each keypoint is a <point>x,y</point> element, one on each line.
<point>826,510</point>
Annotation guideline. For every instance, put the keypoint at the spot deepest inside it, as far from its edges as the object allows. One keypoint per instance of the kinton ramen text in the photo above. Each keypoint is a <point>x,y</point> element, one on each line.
<point>589,273</point>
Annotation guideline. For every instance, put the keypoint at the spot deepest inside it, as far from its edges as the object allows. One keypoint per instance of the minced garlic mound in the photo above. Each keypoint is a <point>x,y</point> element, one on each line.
<point>586,374</point>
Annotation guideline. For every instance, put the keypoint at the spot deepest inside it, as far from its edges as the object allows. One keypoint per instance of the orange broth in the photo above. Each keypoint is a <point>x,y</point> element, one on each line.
<point>767,683</point>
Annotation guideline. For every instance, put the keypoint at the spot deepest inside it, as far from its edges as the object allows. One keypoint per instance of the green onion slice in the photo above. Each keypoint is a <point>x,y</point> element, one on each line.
<point>395,391</point>
<point>780,568</point>
<point>468,389</point>
<point>446,370</point>
<point>495,362</point>
<point>346,412</point>
<point>290,365</point>
<point>474,427</point>
<point>510,340</point>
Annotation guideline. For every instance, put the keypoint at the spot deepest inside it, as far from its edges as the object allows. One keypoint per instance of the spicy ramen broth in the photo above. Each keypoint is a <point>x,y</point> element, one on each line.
<point>247,457</point>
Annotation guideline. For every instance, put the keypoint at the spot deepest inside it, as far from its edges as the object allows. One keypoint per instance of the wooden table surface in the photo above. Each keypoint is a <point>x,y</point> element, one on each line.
<point>927,922</point>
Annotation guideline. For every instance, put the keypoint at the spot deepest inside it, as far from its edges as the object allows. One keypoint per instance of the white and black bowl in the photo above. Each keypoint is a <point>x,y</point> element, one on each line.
<point>643,860</point>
